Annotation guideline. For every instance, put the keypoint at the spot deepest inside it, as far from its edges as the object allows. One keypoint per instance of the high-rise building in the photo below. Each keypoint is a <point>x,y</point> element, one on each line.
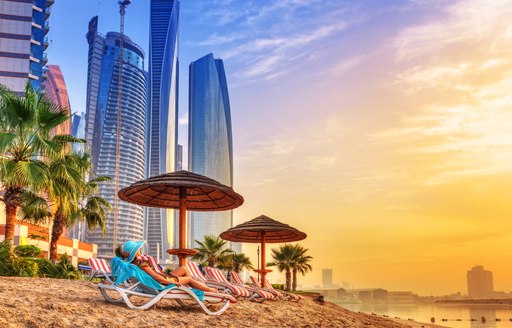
<point>96,42</point>
<point>327,278</point>
<point>179,158</point>
<point>23,26</point>
<point>160,232</point>
<point>103,86</point>
<point>210,142</point>
<point>56,91</point>
<point>480,282</point>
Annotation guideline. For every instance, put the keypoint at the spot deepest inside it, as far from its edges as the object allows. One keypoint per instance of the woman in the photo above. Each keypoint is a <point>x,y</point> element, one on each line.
<point>131,251</point>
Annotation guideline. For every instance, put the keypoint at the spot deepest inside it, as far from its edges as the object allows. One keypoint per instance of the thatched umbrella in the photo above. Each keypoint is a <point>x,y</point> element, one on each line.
<point>263,230</point>
<point>182,190</point>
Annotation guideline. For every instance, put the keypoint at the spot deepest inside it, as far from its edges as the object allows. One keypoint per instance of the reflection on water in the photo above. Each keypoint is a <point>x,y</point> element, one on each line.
<point>457,316</point>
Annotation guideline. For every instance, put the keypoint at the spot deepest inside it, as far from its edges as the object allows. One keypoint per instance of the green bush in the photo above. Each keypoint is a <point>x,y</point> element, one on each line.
<point>27,251</point>
<point>20,262</point>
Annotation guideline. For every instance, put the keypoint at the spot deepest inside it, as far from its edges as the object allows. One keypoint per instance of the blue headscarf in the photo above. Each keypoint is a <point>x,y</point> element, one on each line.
<point>123,270</point>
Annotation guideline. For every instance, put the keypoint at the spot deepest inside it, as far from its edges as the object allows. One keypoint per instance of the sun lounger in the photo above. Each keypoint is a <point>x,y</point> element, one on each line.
<point>252,295</point>
<point>195,272</point>
<point>100,269</point>
<point>282,295</point>
<point>144,286</point>
<point>239,282</point>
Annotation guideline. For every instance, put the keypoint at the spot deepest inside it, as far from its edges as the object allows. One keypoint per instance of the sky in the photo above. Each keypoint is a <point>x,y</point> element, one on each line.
<point>382,129</point>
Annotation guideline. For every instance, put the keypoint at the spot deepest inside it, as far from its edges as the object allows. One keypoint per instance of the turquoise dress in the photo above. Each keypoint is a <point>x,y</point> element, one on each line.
<point>123,271</point>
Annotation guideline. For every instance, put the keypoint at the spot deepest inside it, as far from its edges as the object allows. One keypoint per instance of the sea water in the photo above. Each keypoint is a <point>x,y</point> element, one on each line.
<point>455,315</point>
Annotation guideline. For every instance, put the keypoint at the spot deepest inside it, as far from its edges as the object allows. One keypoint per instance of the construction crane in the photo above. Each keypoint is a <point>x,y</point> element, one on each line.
<point>122,10</point>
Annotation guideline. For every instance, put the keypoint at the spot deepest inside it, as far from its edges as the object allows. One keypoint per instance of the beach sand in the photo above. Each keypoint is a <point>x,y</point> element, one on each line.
<point>53,303</point>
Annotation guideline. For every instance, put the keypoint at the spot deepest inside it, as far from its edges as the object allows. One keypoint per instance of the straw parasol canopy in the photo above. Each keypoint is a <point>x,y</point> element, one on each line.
<point>263,230</point>
<point>275,231</point>
<point>202,193</point>
<point>182,190</point>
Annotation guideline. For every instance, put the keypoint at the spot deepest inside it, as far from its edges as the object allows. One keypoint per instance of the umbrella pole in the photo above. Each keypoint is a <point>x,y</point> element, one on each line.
<point>183,222</point>
<point>263,273</point>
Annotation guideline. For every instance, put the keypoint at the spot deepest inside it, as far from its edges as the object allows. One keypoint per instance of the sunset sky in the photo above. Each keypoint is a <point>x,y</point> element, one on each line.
<point>382,129</point>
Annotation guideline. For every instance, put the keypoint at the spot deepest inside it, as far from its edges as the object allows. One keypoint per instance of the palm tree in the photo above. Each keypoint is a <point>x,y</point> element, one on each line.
<point>25,125</point>
<point>211,250</point>
<point>300,264</point>
<point>235,262</point>
<point>66,191</point>
<point>283,260</point>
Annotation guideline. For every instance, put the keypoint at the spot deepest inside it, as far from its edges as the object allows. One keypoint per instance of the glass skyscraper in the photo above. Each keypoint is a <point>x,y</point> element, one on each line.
<point>23,26</point>
<point>102,86</point>
<point>163,111</point>
<point>210,140</point>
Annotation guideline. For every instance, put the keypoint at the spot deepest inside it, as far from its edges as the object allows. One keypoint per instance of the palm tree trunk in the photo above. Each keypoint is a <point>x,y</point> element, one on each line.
<point>57,230</point>
<point>288,279</point>
<point>294,277</point>
<point>10,220</point>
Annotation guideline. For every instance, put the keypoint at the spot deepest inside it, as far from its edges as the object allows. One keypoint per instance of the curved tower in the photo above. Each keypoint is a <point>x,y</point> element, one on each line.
<point>163,111</point>
<point>210,140</point>
<point>56,91</point>
<point>133,129</point>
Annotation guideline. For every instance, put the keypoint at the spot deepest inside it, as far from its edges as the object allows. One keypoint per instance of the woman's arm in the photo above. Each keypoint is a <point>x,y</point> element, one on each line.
<point>156,276</point>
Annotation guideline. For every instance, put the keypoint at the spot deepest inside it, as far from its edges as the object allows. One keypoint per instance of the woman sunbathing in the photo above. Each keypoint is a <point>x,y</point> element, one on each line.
<point>131,252</point>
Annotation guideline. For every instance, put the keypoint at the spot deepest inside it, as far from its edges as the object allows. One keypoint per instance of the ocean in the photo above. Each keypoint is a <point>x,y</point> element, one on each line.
<point>455,315</point>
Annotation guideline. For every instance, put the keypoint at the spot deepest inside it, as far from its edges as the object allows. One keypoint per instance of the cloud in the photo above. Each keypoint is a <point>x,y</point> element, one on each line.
<point>457,86</point>
<point>463,21</point>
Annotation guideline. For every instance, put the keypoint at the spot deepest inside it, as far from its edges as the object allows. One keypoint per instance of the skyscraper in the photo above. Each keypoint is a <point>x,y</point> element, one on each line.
<point>56,91</point>
<point>326,278</point>
<point>480,282</point>
<point>102,89</point>
<point>96,42</point>
<point>210,141</point>
<point>23,26</point>
<point>163,111</point>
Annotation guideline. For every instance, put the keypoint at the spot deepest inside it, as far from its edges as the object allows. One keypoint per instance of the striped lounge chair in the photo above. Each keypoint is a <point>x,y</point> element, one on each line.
<point>153,263</point>
<point>195,272</point>
<point>253,294</point>
<point>100,268</point>
<point>139,283</point>
<point>278,293</point>
<point>240,282</point>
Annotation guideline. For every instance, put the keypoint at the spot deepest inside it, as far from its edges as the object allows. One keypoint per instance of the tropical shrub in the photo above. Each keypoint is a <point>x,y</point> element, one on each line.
<point>20,262</point>
<point>27,251</point>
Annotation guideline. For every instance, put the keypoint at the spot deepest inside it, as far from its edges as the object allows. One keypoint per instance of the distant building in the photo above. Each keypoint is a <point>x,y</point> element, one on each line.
<point>210,139</point>
<point>160,227</point>
<point>369,295</point>
<point>103,105</point>
<point>402,297</point>
<point>23,26</point>
<point>55,90</point>
<point>480,283</point>
<point>327,278</point>
<point>179,157</point>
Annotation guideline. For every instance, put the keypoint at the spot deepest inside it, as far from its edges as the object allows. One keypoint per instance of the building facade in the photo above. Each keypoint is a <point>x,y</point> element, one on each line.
<point>56,91</point>
<point>23,26</point>
<point>39,235</point>
<point>480,282</point>
<point>327,278</point>
<point>210,139</point>
<point>104,85</point>
<point>160,232</point>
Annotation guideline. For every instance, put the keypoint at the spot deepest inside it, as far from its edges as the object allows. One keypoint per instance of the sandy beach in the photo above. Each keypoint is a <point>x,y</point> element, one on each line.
<point>29,302</point>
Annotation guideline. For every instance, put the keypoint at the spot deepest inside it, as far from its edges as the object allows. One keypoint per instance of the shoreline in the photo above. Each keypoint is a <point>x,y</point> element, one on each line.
<point>59,303</point>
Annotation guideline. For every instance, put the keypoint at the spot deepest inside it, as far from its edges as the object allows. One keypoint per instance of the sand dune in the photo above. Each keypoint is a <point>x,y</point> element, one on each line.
<point>29,302</point>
